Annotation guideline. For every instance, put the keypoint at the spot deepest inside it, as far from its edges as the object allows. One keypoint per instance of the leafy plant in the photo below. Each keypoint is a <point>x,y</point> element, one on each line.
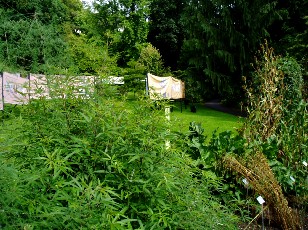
<point>151,59</point>
<point>278,117</point>
<point>274,98</point>
<point>260,155</point>
<point>93,162</point>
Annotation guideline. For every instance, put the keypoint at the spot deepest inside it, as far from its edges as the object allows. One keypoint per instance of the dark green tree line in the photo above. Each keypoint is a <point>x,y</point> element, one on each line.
<point>166,29</point>
<point>290,36</point>
<point>212,42</point>
<point>222,36</point>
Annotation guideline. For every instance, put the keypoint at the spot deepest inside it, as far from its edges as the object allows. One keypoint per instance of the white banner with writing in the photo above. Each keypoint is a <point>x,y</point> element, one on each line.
<point>1,92</point>
<point>15,88</point>
<point>38,86</point>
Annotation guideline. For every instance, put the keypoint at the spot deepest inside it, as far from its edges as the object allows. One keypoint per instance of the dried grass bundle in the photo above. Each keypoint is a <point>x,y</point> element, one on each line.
<point>259,174</point>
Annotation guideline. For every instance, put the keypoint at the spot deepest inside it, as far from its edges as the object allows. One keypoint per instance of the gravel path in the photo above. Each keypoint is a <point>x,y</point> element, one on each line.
<point>216,105</point>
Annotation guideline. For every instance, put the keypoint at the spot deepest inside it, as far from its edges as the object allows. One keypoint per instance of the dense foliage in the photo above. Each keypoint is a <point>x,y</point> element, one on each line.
<point>123,25</point>
<point>278,118</point>
<point>102,162</point>
<point>166,29</point>
<point>95,163</point>
<point>211,42</point>
<point>31,35</point>
<point>271,151</point>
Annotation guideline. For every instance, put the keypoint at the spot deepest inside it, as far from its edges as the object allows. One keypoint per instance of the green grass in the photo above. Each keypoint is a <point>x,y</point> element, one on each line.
<point>210,120</point>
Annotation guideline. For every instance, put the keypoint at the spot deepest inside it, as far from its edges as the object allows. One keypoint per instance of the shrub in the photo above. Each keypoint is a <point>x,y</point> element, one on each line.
<point>151,60</point>
<point>278,117</point>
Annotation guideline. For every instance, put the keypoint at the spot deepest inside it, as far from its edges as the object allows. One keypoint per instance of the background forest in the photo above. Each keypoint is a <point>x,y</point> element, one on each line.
<point>102,161</point>
<point>209,44</point>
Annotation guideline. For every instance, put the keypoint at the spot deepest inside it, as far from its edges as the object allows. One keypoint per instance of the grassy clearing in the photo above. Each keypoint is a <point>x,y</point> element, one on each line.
<point>210,119</point>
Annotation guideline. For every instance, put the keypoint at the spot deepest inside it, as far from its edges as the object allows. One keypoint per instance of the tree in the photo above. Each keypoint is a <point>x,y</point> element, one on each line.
<point>123,25</point>
<point>32,35</point>
<point>31,45</point>
<point>289,36</point>
<point>89,56</point>
<point>222,36</point>
<point>151,59</point>
<point>166,29</point>
<point>47,11</point>
<point>149,62</point>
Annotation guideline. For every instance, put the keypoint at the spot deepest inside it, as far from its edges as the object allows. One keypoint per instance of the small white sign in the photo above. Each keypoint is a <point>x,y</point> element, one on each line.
<point>260,200</point>
<point>305,163</point>
<point>292,178</point>
<point>245,181</point>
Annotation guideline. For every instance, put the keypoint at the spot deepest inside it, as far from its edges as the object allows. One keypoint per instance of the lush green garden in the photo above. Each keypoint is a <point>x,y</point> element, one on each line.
<point>104,161</point>
<point>110,159</point>
<point>100,163</point>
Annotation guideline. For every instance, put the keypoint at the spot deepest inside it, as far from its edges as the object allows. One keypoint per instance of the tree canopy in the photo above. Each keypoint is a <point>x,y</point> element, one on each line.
<point>31,34</point>
<point>212,42</point>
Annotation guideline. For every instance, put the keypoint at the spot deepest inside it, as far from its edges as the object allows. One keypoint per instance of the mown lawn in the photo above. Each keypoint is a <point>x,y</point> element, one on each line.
<point>210,119</point>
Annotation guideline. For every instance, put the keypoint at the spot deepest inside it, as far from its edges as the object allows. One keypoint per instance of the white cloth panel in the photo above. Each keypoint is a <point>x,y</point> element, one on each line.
<point>165,87</point>
<point>15,89</point>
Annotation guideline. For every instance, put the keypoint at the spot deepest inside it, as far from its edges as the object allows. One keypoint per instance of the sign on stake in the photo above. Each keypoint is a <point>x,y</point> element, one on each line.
<point>261,201</point>
<point>246,184</point>
<point>167,114</point>
<point>245,181</point>
<point>305,163</point>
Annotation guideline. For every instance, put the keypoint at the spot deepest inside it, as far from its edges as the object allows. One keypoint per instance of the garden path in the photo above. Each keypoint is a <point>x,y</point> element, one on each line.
<point>217,105</point>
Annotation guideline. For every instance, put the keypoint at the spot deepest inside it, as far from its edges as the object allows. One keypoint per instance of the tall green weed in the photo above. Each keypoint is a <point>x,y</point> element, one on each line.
<point>91,162</point>
<point>278,119</point>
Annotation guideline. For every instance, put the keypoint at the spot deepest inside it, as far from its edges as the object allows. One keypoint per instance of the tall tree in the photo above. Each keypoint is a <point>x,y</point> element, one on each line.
<point>31,36</point>
<point>222,36</point>
<point>166,29</point>
<point>48,11</point>
<point>290,36</point>
<point>123,24</point>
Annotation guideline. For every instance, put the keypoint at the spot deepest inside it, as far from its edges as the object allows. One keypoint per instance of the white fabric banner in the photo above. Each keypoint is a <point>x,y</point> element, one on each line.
<point>15,89</point>
<point>83,85</point>
<point>165,87</point>
<point>71,86</point>
<point>1,92</point>
<point>38,86</point>
<point>112,80</point>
